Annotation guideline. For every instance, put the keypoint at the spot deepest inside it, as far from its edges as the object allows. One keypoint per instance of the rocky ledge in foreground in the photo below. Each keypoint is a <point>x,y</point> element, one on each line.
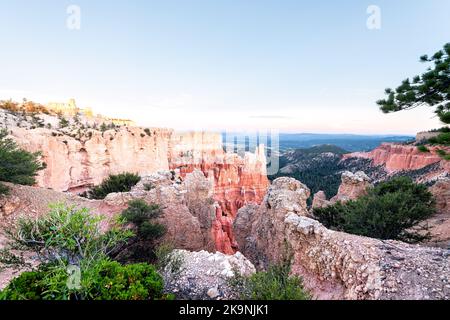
<point>204,275</point>
<point>336,265</point>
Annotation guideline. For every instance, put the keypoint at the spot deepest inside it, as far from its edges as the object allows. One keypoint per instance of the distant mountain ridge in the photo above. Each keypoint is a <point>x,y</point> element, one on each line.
<point>349,142</point>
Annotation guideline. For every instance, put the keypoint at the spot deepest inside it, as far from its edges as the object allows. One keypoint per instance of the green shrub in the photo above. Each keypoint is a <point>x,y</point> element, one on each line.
<point>114,183</point>
<point>274,284</point>
<point>4,189</point>
<point>151,231</point>
<point>386,212</point>
<point>25,287</point>
<point>63,123</point>
<point>103,280</point>
<point>141,247</point>
<point>168,260</point>
<point>442,139</point>
<point>68,234</point>
<point>423,148</point>
<point>139,211</point>
<point>111,281</point>
<point>443,129</point>
<point>17,165</point>
<point>148,186</point>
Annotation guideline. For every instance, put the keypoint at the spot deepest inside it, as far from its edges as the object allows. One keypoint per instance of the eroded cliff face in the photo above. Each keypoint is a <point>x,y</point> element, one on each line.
<point>336,265</point>
<point>237,180</point>
<point>397,157</point>
<point>76,162</point>
<point>353,186</point>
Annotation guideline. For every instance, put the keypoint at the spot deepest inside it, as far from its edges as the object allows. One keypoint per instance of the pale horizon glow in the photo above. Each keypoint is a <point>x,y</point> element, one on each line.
<point>224,65</point>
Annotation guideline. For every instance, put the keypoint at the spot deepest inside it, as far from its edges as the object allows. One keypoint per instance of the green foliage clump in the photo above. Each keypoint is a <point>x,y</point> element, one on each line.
<point>103,280</point>
<point>109,280</point>
<point>63,122</point>
<point>168,260</point>
<point>315,168</point>
<point>431,88</point>
<point>422,148</point>
<point>4,189</point>
<point>17,165</point>
<point>70,239</point>
<point>69,234</point>
<point>274,284</point>
<point>387,212</point>
<point>443,129</point>
<point>148,186</point>
<point>441,139</point>
<point>141,248</point>
<point>122,182</point>
<point>140,213</point>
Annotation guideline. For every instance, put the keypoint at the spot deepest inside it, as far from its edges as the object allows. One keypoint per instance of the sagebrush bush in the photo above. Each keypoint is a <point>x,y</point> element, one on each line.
<point>67,233</point>
<point>274,284</point>
<point>68,236</point>
<point>387,212</point>
<point>167,260</point>
<point>122,182</point>
<point>148,186</point>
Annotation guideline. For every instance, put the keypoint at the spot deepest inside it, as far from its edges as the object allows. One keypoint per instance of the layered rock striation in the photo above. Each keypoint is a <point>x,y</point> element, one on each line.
<point>353,186</point>
<point>78,160</point>
<point>398,157</point>
<point>336,265</point>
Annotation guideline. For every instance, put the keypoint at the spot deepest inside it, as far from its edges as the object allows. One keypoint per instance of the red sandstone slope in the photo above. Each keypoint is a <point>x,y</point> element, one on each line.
<point>237,181</point>
<point>74,164</point>
<point>397,157</point>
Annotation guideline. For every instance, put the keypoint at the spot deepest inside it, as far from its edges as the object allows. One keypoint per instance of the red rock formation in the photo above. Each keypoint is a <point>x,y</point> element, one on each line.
<point>237,181</point>
<point>77,163</point>
<point>397,157</point>
<point>74,164</point>
<point>353,186</point>
<point>336,265</point>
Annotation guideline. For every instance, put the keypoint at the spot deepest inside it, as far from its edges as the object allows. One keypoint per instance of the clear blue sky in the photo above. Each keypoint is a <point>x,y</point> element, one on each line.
<point>224,64</point>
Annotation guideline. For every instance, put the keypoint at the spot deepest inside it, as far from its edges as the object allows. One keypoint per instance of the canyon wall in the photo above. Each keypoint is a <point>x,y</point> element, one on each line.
<point>353,186</point>
<point>397,157</point>
<point>237,180</point>
<point>77,162</point>
<point>336,265</point>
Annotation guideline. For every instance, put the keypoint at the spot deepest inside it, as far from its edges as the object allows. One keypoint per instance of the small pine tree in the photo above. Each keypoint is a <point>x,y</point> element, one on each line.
<point>114,183</point>
<point>17,165</point>
<point>63,122</point>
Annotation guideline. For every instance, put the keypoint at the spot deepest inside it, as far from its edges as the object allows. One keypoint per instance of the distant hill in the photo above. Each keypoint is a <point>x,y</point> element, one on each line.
<point>319,167</point>
<point>348,142</point>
